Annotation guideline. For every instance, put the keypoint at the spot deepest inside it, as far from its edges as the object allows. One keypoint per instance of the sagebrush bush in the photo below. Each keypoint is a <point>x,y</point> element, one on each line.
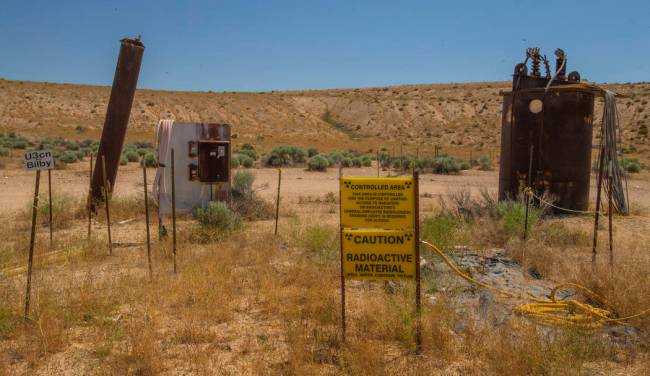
<point>513,216</point>
<point>245,201</point>
<point>234,161</point>
<point>217,216</point>
<point>630,165</point>
<point>484,163</point>
<point>69,156</point>
<point>72,145</point>
<point>123,160</point>
<point>245,161</point>
<point>440,230</point>
<point>150,160</point>
<point>65,209</point>
<point>318,163</point>
<point>285,155</point>
<point>132,156</point>
<point>4,152</point>
<point>250,153</point>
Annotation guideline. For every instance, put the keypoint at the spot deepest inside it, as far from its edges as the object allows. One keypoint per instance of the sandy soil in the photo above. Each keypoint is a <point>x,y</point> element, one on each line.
<point>17,186</point>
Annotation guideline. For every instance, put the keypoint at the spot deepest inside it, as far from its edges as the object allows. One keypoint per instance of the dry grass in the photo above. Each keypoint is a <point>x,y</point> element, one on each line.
<point>252,303</point>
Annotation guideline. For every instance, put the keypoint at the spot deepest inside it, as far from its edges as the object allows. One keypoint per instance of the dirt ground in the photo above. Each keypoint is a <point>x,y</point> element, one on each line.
<point>16,185</point>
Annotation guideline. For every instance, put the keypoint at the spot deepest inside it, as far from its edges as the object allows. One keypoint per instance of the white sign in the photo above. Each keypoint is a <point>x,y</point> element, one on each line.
<point>38,160</point>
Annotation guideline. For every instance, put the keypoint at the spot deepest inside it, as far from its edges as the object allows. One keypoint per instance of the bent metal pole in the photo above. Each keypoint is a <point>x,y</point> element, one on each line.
<point>117,114</point>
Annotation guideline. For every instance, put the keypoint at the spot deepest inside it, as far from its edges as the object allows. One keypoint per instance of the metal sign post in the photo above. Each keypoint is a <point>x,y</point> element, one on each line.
<point>146,217</point>
<point>277,201</point>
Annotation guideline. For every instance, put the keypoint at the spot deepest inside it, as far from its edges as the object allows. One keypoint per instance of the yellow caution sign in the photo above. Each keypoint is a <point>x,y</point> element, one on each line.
<point>377,203</point>
<point>378,254</point>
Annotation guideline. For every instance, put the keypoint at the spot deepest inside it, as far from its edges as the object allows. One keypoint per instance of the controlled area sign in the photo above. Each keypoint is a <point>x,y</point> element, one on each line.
<point>379,254</point>
<point>38,160</point>
<point>386,203</point>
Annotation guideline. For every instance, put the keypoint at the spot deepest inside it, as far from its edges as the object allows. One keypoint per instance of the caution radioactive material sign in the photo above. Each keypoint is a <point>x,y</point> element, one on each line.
<point>377,203</point>
<point>378,254</point>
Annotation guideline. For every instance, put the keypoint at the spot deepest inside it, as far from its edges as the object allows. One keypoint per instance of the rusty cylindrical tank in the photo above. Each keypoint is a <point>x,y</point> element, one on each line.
<point>117,114</point>
<point>560,136</point>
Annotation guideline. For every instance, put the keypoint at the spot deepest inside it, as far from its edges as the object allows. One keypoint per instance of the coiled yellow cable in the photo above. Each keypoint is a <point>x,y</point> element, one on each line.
<point>553,312</point>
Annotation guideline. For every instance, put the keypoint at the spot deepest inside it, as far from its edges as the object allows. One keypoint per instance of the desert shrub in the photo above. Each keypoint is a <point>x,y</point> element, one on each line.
<point>318,163</point>
<point>245,161</point>
<point>484,163</point>
<point>320,242</point>
<point>440,230</point>
<point>346,162</point>
<point>132,156</point>
<point>445,164</point>
<point>366,161</point>
<point>86,151</point>
<point>19,144</point>
<point>72,145</point>
<point>245,201</point>
<point>513,216</point>
<point>4,152</point>
<point>285,155</point>
<point>80,154</point>
<point>217,216</point>
<point>234,161</point>
<point>630,165</point>
<point>250,153</point>
<point>150,160</point>
<point>123,160</point>
<point>69,156</point>
<point>65,209</point>
<point>356,162</point>
<point>8,322</point>
<point>142,151</point>
<point>242,183</point>
<point>311,152</point>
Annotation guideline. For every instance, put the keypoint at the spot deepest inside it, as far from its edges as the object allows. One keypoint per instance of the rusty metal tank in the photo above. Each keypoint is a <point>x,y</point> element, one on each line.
<point>546,138</point>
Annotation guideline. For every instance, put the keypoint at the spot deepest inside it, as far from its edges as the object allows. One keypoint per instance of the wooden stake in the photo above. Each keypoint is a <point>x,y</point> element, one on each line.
<point>106,202</point>
<point>173,213</point>
<point>146,218</point>
<point>378,164</point>
<point>32,239</point>
<point>49,196</point>
<point>418,304</point>
<point>277,201</point>
<point>90,211</point>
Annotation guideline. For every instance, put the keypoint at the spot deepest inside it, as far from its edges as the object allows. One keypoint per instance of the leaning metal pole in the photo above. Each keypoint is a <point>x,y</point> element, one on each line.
<point>117,115</point>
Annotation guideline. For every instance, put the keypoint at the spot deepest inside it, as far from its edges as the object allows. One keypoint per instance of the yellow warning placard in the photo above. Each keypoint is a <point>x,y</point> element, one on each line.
<point>377,203</point>
<point>378,254</point>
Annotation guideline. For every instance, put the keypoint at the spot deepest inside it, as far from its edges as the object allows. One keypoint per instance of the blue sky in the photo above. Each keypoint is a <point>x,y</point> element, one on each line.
<point>277,45</point>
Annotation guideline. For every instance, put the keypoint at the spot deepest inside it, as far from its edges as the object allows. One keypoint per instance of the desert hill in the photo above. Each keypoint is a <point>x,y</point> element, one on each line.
<point>457,116</point>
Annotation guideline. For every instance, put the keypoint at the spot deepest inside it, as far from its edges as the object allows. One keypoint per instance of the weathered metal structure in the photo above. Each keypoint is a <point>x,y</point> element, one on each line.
<point>117,114</point>
<point>202,154</point>
<point>546,133</point>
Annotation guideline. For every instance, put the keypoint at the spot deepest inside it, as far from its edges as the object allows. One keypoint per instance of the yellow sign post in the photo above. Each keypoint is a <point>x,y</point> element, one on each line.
<point>379,254</point>
<point>380,234</point>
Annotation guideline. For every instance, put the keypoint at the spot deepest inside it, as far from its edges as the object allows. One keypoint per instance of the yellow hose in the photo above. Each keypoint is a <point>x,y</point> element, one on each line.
<point>553,311</point>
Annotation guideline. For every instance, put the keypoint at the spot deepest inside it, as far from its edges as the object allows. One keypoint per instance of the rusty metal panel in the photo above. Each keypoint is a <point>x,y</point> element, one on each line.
<point>214,161</point>
<point>561,135</point>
